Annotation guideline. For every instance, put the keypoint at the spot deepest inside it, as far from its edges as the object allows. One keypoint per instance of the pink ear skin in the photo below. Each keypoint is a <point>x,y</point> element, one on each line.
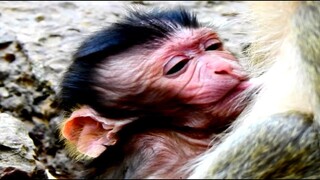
<point>91,133</point>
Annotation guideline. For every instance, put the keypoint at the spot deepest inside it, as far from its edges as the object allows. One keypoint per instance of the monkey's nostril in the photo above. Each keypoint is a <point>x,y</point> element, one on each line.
<point>223,69</point>
<point>227,69</point>
<point>222,72</point>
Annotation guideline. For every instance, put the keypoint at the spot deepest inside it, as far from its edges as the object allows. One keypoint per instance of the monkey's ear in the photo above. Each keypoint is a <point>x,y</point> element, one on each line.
<point>91,133</point>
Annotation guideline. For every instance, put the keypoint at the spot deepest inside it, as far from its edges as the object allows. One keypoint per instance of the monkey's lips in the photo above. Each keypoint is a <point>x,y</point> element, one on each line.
<point>243,85</point>
<point>236,92</point>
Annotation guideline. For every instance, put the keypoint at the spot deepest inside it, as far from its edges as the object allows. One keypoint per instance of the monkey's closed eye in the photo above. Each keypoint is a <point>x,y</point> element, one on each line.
<point>212,45</point>
<point>175,65</point>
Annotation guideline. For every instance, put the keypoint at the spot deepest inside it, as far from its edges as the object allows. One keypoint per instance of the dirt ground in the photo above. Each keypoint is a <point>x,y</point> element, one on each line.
<point>37,40</point>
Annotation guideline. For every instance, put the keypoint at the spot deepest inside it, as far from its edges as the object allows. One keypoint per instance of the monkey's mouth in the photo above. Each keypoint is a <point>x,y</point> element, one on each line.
<point>237,92</point>
<point>243,85</point>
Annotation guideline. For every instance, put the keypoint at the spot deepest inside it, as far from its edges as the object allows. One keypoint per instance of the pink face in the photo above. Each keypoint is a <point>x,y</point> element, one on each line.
<point>197,69</point>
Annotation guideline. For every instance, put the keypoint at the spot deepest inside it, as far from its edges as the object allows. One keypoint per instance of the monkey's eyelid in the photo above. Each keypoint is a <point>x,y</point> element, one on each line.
<point>213,44</point>
<point>175,66</point>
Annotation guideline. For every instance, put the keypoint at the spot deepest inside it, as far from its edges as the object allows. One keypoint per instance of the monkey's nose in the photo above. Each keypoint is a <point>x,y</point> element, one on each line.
<point>223,68</point>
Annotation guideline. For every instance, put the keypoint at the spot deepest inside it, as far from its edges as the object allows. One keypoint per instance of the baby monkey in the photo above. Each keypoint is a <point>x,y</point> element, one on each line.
<point>148,94</point>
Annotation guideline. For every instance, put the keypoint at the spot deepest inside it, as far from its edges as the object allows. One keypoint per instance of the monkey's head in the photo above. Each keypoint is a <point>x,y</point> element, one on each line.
<point>150,61</point>
<point>148,64</point>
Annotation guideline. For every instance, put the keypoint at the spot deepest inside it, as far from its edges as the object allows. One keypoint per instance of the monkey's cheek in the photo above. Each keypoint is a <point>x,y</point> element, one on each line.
<point>206,97</point>
<point>210,93</point>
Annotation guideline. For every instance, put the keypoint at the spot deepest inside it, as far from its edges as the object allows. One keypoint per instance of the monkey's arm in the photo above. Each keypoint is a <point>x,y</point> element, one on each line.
<point>271,149</point>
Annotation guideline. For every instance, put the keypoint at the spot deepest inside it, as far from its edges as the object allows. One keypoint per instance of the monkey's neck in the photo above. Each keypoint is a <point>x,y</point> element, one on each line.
<point>164,152</point>
<point>155,147</point>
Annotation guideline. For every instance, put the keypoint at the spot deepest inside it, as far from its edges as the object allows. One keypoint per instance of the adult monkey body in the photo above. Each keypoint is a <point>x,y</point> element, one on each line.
<point>147,94</point>
<point>279,136</point>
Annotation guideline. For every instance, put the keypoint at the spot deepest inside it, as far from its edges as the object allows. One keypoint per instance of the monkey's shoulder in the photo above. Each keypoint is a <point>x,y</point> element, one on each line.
<point>285,145</point>
<point>289,128</point>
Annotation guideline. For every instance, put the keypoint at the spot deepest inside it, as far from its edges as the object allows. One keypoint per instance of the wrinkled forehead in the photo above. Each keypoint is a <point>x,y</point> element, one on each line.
<point>151,55</point>
<point>182,40</point>
<point>192,34</point>
<point>188,38</point>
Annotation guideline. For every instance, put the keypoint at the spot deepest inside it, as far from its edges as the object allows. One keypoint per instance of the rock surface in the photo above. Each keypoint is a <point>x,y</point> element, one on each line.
<point>16,148</point>
<point>37,40</point>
